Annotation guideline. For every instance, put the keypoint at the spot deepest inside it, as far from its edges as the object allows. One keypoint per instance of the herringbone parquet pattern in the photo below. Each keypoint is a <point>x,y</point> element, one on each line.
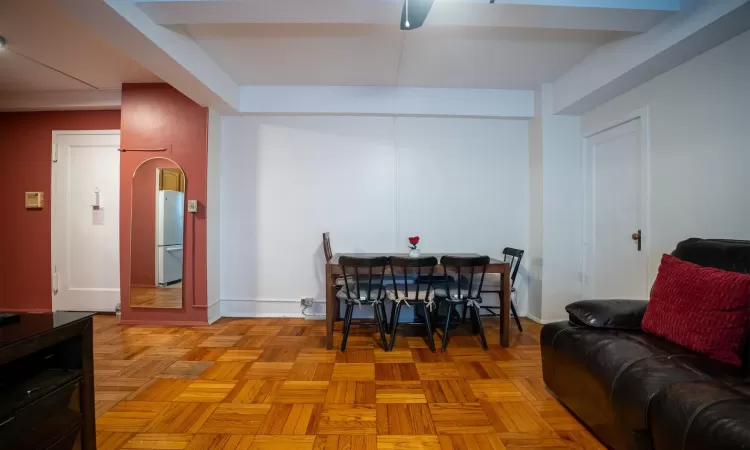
<point>269,384</point>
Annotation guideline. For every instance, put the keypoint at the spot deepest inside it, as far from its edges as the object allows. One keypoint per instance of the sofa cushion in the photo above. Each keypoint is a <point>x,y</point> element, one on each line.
<point>567,374</point>
<point>611,314</point>
<point>635,387</point>
<point>701,308</point>
<point>724,254</point>
<point>699,415</point>
<point>608,378</point>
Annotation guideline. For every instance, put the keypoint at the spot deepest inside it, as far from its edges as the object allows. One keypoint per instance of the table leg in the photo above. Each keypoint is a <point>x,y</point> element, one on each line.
<point>330,307</point>
<point>505,312</point>
<point>88,407</point>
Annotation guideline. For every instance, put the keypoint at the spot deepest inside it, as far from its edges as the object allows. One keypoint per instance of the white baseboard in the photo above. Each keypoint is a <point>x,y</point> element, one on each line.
<point>214,312</point>
<point>284,307</point>
<point>291,308</point>
<point>269,308</point>
<point>538,320</point>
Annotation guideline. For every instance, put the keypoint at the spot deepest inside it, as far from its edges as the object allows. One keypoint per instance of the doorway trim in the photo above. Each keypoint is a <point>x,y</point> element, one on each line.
<point>53,158</point>
<point>156,228</point>
<point>612,121</point>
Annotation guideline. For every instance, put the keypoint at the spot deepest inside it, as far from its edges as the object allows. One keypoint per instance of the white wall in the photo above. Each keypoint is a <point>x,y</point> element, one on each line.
<point>556,210</point>
<point>536,210</point>
<point>563,210</point>
<point>213,216</point>
<point>371,182</point>
<point>615,68</point>
<point>700,146</point>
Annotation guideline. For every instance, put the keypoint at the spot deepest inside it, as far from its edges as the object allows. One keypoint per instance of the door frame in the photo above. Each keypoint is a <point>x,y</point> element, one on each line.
<point>156,228</point>
<point>54,205</point>
<point>613,121</point>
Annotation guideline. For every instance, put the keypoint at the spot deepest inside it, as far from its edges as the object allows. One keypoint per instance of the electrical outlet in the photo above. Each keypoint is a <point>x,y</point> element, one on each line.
<point>306,301</point>
<point>192,206</point>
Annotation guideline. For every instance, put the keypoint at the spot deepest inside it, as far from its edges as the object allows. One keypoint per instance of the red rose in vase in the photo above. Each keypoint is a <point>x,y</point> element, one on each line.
<point>414,240</point>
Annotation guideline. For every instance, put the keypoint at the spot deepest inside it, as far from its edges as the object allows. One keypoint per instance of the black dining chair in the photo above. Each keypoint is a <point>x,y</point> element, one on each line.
<point>327,246</point>
<point>466,291</point>
<point>493,284</point>
<point>364,287</point>
<point>340,280</point>
<point>405,289</point>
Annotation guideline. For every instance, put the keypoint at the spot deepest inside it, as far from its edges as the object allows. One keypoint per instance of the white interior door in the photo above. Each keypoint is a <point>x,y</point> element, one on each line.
<point>85,240</point>
<point>615,209</point>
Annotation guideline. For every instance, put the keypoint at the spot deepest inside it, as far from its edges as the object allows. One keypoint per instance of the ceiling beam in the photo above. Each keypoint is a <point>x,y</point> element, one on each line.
<point>616,15</point>
<point>387,101</point>
<point>654,5</point>
<point>175,58</point>
<point>615,68</point>
<point>60,100</point>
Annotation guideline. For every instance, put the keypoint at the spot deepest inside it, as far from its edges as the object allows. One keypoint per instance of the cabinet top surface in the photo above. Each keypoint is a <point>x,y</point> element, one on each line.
<point>29,325</point>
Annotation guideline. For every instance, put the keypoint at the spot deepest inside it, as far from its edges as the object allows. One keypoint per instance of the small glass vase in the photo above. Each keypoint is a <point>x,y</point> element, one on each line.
<point>414,253</point>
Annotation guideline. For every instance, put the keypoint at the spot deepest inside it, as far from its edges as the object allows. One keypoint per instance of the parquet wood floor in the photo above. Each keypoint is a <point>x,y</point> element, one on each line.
<point>269,384</point>
<point>156,297</point>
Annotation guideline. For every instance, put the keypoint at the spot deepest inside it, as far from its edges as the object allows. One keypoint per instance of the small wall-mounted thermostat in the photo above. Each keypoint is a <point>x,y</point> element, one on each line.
<point>34,200</point>
<point>192,206</point>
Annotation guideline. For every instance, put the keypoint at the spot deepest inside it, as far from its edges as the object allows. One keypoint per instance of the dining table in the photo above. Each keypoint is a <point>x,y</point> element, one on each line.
<point>334,270</point>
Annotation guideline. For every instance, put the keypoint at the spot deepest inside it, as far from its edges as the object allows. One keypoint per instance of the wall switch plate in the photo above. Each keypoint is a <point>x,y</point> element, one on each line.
<point>192,206</point>
<point>34,200</point>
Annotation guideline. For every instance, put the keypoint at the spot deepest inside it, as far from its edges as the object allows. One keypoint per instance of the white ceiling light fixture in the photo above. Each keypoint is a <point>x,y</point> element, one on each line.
<point>406,21</point>
<point>414,12</point>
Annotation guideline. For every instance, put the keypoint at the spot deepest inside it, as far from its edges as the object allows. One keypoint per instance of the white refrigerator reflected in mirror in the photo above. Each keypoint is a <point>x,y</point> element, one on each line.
<point>170,217</point>
<point>157,231</point>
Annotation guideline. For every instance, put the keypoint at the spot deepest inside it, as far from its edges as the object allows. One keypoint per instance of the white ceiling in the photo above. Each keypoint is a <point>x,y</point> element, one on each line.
<point>20,74</point>
<point>49,35</point>
<point>380,55</point>
<point>225,53</point>
<point>513,44</point>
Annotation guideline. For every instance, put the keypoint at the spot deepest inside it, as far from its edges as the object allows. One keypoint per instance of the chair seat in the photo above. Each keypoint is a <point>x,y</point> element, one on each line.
<point>400,291</point>
<point>456,294</point>
<point>493,282</point>
<point>364,298</point>
<point>434,278</point>
<point>496,289</point>
<point>341,280</point>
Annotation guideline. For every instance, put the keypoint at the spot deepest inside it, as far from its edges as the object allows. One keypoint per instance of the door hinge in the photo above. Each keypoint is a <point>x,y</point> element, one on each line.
<point>54,153</point>
<point>54,283</point>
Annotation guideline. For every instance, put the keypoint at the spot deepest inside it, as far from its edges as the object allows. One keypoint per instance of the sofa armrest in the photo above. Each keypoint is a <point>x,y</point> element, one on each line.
<point>610,314</point>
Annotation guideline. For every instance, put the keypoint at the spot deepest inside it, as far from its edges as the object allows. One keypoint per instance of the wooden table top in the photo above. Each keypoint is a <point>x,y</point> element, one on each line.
<point>335,259</point>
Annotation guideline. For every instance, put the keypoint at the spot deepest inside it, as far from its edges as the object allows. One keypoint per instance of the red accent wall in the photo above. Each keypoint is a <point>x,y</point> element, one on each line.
<point>143,231</point>
<point>153,116</point>
<point>25,235</point>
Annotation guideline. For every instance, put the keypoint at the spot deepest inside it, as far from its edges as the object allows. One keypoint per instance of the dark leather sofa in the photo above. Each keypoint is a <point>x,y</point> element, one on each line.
<point>637,391</point>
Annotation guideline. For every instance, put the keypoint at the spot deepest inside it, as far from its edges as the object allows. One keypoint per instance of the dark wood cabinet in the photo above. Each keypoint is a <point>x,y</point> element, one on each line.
<point>47,382</point>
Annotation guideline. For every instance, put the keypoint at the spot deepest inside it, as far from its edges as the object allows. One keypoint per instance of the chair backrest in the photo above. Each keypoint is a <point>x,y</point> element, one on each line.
<point>468,270</point>
<point>327,246</point>
<point>515,256</point>
<point>367,273</point>
<point>405,271</point>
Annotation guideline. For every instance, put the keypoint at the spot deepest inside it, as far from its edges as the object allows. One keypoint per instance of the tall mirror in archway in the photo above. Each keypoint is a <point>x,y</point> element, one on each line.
<point>157,230</point>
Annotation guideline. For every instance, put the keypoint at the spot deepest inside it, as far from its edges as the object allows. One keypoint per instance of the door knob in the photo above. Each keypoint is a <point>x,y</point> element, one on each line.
<point>637,237</point>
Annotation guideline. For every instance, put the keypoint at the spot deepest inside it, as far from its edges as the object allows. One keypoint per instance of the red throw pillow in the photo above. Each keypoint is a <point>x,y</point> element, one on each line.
<point>701,308</point>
